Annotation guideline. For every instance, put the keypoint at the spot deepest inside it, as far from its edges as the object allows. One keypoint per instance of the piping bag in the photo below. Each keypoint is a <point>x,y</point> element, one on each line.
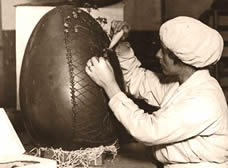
<point>110,54</point>
<point>115,39</point>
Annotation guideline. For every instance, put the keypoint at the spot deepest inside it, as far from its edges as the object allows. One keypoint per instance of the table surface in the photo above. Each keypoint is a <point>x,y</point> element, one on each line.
<point>130,156</point>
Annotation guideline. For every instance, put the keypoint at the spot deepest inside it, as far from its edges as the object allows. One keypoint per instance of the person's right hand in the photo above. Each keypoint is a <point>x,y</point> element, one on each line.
<point>122,48</point>
<point>117,25</point>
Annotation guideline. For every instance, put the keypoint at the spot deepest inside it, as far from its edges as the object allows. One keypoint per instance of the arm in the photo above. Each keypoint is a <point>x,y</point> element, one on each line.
<point>140,82</point>
<point>183,120</point>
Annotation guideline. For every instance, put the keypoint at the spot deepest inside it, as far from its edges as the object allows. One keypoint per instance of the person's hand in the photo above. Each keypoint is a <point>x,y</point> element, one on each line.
<point>102,73</point>
<point>123,49</point>
<point>117,25</point>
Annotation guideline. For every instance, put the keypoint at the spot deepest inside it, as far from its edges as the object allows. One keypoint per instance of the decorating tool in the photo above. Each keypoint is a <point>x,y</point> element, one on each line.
<point>116,38</point>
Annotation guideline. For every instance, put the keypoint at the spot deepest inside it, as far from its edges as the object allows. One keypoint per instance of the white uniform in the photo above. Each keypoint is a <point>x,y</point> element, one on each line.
<point>190,130</point>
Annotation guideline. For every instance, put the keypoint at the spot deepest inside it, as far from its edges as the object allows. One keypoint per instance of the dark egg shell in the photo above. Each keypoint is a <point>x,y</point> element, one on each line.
<point>61,105</point>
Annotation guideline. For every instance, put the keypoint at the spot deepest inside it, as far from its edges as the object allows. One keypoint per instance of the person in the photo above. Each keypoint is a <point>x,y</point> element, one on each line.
<point>190,129</point>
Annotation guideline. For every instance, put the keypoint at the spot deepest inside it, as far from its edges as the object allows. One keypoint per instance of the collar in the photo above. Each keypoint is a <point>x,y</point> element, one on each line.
<point>195,79</point>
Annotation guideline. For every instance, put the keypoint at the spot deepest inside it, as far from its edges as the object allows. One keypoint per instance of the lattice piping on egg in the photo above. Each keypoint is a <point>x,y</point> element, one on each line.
<point>69,58</point>
<point>68,28</point>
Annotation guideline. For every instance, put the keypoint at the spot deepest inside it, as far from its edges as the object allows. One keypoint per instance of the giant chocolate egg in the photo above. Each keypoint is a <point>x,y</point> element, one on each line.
<point>61,105</point>
<point>84,3</point>
<point>101,3</point>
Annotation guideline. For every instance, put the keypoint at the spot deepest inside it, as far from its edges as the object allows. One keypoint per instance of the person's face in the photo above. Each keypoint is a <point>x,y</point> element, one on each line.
<point>167,63</point>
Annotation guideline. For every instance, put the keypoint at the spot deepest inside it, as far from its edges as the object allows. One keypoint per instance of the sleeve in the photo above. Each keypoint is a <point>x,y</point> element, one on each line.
<point>139,82</point>
<point>178,122</point>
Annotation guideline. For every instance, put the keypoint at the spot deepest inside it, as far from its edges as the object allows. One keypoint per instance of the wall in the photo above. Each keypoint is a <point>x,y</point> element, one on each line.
<point>9,13</point>
<point>147,15</point>
<point>1,67</point>
<point>193,8</point>
<point>143,15</point>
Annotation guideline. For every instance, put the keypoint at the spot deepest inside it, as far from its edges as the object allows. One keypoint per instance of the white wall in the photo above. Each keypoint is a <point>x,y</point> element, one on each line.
<point>9,13</point>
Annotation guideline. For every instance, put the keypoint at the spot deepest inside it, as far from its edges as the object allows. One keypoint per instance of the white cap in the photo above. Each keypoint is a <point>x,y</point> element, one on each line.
<point>192,41</point>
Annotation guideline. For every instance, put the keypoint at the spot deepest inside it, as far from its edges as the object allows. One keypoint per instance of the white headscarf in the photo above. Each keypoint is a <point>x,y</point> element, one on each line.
<point>192,41</point>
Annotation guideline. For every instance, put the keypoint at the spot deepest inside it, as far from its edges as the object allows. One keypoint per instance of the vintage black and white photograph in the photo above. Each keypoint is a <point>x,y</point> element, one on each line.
<point>114,84</point>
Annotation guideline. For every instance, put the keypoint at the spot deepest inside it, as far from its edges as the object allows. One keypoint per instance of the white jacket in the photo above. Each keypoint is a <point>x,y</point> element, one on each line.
<point>191,127</point>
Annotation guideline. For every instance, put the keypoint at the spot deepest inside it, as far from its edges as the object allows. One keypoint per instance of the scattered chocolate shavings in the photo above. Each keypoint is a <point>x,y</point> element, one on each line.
<point>103,21</point>
<point>79,10</point>
<point>75,29</point>
<point>75,15</point>
<point>66,25</point>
